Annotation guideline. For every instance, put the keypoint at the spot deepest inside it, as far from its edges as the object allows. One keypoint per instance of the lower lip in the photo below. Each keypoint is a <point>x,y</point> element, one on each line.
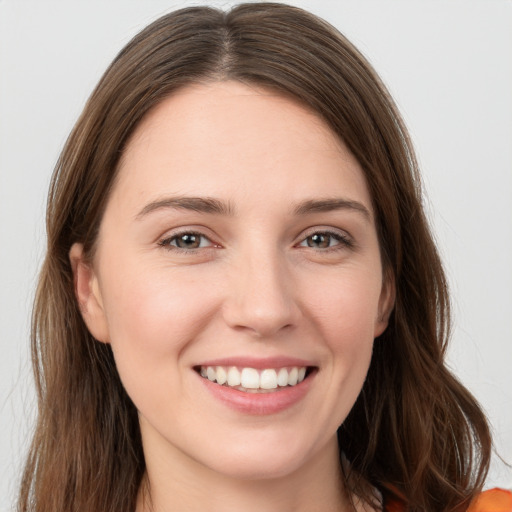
<point>259,403</point>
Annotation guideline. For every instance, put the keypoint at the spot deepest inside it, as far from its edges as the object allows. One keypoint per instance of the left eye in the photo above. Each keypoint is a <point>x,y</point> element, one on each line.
<point>187,241</point>
<point>323,240</point>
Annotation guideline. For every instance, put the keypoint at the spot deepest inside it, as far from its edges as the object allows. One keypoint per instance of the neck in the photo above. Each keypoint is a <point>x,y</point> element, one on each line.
<point>179,484</point>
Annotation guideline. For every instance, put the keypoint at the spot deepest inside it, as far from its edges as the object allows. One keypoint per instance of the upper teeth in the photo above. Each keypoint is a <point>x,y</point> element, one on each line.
<point>250,378</point>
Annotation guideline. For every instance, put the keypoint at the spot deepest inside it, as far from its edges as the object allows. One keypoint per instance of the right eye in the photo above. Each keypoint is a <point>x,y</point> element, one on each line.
<point>186,241</point>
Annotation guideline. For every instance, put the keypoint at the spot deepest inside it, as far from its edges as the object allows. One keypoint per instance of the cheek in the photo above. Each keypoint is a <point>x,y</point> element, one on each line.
<point>345,315</point>
<point>345,308</point>
<point>153,317</point>
<point>154,313</point>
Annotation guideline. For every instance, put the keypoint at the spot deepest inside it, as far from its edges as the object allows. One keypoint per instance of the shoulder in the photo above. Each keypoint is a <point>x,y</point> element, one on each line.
<point>493,500</point>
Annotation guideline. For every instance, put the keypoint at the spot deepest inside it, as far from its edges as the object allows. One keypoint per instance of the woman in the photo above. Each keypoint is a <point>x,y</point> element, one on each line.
<point>234,220</point>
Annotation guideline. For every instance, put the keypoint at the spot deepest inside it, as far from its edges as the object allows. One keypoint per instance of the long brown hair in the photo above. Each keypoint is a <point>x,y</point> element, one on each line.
<point>414,426</point>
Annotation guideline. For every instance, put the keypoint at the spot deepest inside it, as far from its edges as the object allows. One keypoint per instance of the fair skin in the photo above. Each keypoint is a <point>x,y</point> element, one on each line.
<point>239,234</point>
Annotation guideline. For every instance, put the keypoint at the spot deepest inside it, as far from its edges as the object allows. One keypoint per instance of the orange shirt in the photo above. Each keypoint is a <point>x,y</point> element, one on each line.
<point>493,500</point>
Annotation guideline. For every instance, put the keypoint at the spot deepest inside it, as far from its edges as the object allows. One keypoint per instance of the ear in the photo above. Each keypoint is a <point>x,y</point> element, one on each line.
<point>386,303</point>
<point>88,294</point>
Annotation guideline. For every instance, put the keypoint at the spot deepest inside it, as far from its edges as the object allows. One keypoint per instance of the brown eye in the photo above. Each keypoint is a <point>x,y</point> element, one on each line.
<point>319,240</point>
<point>326,240</point>
<point>186,241</point>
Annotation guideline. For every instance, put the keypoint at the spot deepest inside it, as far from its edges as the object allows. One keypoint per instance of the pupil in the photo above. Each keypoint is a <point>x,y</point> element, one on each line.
<point>187,241</point>
<point>319,241</point>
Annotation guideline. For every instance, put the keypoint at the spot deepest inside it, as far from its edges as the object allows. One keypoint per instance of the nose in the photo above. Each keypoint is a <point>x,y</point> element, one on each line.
<point>260,297</point>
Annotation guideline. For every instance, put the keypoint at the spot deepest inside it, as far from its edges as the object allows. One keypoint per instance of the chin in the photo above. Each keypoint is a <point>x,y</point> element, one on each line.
<point>262,459</point>
<point>258,468</point>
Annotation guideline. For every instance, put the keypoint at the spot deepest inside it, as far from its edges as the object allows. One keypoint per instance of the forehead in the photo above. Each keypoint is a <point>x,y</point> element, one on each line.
<point>218,138</point>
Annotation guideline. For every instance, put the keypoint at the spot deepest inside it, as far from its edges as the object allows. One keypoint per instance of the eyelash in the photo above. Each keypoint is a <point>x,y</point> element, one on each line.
<point>344,242</point>
<point>166,242</point>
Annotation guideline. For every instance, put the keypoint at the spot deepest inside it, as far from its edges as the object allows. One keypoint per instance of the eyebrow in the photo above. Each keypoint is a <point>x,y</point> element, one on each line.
<point>196,204</point>
<point>211,205</point>
<point>328,205</point>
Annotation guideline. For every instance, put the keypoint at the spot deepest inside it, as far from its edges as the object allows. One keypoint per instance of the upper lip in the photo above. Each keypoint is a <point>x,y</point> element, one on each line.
<point>258,363</point>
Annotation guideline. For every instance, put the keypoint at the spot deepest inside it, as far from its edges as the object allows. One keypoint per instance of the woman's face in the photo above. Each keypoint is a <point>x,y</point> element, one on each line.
<point>239,246</point>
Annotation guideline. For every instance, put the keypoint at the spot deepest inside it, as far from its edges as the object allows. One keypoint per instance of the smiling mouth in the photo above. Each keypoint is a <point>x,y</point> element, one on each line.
<point>252,380</point>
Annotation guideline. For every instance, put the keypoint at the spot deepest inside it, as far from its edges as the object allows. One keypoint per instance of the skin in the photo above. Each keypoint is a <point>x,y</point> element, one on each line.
<point>257,285</point>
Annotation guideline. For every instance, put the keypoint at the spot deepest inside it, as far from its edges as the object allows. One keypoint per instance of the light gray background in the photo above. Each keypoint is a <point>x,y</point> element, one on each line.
<point>449,66</point>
